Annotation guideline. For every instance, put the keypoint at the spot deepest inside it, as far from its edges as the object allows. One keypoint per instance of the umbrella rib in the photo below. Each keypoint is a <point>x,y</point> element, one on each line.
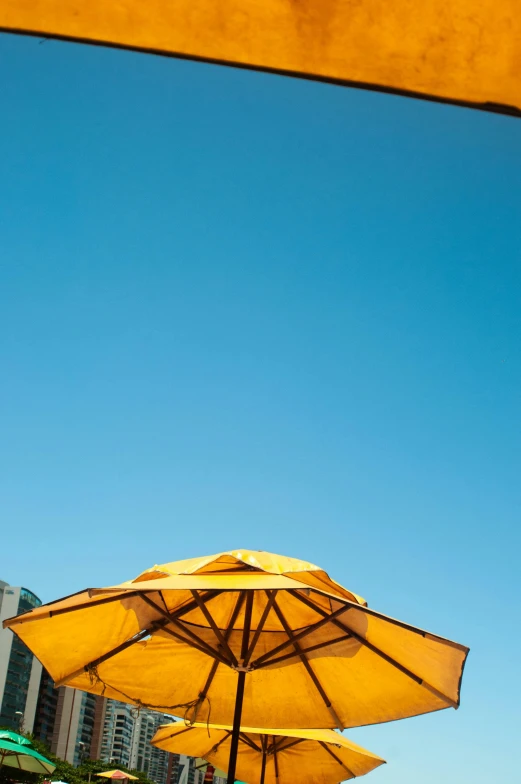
<point>281,748</point>
<point>115,598</point>
<point>159,624</point>
<point>27,617</point>
<point>220,637</point>
<point>214,748</point>
<point>201,643</point>
<point>186,608</point>
<point>95,603</point>
<point>197,644</point>
<point>310,671</point>
<point>393,621</point>
<point>311,648</point>
<point>337,759</point>
<point>384,656</point>
<point>269,604</point>
<point>247,624</point>
<point>300,635</point>
<point>213,670</point>
<point>176,734</point>
<point>118,649</point>
<point>249,742</point>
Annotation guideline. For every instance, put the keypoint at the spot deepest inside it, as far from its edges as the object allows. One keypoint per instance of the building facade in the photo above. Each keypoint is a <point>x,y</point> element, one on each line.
<point>118,733</point>
<point>20,672</point>
<point>184,770</point>
<point>46,707</point>
<point>126,738</point>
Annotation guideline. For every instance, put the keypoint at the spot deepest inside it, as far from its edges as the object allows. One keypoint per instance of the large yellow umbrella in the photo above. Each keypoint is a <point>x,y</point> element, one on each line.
<point>227,635</point>
<point>272,756</point>
<point>460,51</point>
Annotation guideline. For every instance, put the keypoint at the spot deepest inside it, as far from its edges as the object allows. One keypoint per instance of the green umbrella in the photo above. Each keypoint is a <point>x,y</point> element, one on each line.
<point>14,737</point>
<point>16,751</point>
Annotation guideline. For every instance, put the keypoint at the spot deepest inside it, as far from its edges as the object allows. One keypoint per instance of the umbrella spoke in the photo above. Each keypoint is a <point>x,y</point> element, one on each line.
<point>95,603</point>
<point>94,664</point>
<point>309,669</point>
<point>380,653</point>
<point>247,625</point>
<point>375,614</point>
<point>186,608</point>
<point>264,659</point>
<point>311,648</point>
<point>220,637</point>
<point>174,620</point>
<point>157,625</point>
<point>229,629</point>
<point>195,642</point>
<point>292,743</point>
<point>249,742</point>
<point>269,604</point>
<point>219,743</point>
<point>337,759</point>
<point>181,732</point>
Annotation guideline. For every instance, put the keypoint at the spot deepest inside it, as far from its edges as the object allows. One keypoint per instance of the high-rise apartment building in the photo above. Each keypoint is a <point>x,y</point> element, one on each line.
<point>118,733</point>
<point>152,761</point>
<point>74,725</point>
<point>20,672</point>
<point>68,721</point>
<point>46,706</point>
<point>127,733</point>
<point>184,770</point>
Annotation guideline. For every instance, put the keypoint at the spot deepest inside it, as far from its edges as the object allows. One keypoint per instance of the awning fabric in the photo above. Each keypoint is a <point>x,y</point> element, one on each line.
<point>460,51</point>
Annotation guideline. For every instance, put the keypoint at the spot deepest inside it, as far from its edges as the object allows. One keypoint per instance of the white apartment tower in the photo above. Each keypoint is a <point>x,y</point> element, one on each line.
<point>20,672</point>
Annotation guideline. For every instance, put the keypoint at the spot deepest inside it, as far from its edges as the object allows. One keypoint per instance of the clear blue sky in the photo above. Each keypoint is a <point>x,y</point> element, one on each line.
<point>238,310</point>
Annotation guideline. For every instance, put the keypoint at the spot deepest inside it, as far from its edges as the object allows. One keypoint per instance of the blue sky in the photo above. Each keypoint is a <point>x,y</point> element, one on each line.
<point>238,310</point>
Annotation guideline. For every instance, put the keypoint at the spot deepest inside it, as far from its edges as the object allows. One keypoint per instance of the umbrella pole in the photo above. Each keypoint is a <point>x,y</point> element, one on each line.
<point>239,697</point>
<point>236,728</point>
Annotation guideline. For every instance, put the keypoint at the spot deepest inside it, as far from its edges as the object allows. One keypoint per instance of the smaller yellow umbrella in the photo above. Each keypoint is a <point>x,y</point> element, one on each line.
<point>271,756</point>
<point>117,775</point>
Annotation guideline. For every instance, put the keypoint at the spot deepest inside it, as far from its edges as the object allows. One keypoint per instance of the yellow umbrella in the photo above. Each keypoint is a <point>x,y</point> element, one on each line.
<point>201,637</point>
<point>271,756</point>
<point>465,51</point>
<point>117,775</point>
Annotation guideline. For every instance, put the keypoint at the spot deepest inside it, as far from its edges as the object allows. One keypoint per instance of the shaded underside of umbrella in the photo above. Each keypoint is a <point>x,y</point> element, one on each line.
<point>464,52</point>
<point>245,638</point>
<point>176,639</point>
<point>268,756</point>
<point>23,757</point>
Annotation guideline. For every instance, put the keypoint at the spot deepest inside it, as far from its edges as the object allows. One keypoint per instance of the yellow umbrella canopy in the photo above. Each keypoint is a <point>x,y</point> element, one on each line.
<point>117,775</point>
<point>229,634</point>
<point>272,756</point>
<point>462,51</point>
